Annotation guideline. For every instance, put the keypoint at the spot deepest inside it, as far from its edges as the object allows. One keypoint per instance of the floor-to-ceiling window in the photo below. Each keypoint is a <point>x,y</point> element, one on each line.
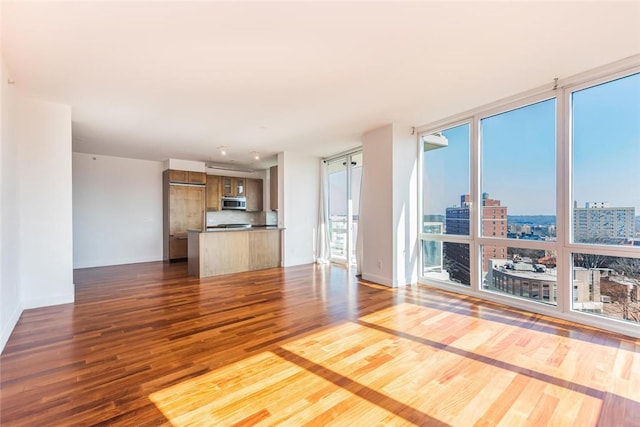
<point>344,175</point>
<point>446,228</point>
<point>604,225</point>
<point>517,202</point>
<point>535,202</point>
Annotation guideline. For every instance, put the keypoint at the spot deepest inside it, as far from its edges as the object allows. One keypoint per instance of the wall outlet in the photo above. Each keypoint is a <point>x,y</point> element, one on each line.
<point>379,264</point>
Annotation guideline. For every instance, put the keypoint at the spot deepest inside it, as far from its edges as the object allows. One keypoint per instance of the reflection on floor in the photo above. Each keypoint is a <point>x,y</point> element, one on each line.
<point>308,345</point>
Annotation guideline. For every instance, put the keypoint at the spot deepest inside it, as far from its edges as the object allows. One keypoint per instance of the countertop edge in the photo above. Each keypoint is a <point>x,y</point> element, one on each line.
<point>223,230</point>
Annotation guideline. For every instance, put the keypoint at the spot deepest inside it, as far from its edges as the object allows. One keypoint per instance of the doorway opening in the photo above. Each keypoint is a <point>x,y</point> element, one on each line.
<point>345,178</point>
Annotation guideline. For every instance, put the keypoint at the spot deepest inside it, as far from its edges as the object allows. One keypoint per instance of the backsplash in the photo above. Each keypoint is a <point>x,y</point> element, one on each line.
<point>240,217</point>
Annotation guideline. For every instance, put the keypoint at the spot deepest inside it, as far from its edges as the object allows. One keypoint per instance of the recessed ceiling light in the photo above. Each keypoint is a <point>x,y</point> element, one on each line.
<point>222,149</point>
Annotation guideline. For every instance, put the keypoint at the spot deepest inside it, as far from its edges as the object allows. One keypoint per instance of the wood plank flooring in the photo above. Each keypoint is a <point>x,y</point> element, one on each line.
<point>146,345</point>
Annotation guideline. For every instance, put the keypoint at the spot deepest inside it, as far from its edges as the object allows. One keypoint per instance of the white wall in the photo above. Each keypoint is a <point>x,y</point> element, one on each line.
<point>43,132</point>
<point>36,254</point>
<point>299,185</point>
<point>389,206</point>
<point>10,303</point>
<point>117,210</point>
<point>184,165</point>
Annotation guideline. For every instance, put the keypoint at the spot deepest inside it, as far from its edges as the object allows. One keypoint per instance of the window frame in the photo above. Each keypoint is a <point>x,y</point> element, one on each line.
<point>570,247</point>
<point>561,91</point>
<point>446,238</point>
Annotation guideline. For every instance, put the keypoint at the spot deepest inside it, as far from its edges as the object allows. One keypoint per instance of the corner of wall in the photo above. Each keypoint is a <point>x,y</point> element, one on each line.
<point>10,304</point>
<point>8,327</point>
<point>385,281</point>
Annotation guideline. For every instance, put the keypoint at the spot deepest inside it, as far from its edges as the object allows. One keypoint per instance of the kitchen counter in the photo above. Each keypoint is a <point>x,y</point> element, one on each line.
<point>217,251</point>
<point>218,229</point>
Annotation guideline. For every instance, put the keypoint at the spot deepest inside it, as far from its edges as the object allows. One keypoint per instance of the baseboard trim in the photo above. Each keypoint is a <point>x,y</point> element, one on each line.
<point>377,279</point>
<point>108,263</point>
<point>48,301</point>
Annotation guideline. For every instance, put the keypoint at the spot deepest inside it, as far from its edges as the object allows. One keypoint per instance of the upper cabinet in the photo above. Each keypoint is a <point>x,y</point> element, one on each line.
<point>187,177</point>
<point>254,195</point>
<point>273,188</point>
<point>228,186</point>
<point>213,192</point>
<point>233,186</point>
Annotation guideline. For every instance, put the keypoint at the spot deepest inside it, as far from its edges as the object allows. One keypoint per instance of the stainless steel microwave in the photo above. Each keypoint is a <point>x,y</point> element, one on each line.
<point>238,203</point>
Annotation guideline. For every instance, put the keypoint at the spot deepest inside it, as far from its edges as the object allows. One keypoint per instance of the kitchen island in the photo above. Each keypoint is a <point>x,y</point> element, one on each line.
<point>232,250</point>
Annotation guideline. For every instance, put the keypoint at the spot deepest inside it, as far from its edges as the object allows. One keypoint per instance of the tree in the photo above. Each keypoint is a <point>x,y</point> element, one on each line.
<point>591,261</point>
<point>629,267</point>
<point>624,294</point>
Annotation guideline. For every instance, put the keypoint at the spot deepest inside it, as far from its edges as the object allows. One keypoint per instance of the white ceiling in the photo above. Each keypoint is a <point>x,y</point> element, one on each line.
<point>158,80</point>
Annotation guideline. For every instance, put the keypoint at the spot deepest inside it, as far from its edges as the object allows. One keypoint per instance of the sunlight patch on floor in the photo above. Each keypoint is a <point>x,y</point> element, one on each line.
<point>408,365</point>
<point>261,390</point>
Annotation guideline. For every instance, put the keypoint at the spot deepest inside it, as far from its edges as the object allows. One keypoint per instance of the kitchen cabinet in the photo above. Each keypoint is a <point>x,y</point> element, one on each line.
<point>187,177</point>
<point>233,186</point>
<point>183,208</point>
<point>273,188</point>
<point>224,252</point>
<point>254,195</point>
<point>213,193</point>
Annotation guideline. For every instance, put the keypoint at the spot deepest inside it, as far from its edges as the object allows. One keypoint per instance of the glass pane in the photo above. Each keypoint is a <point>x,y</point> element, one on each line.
<point>356,181</point>
<point>607,286</point>
<point>342,203</point>
<point>606,162</point>
<point>337,172</point>
<point>446,181</point>
<point>519,173</point>
<point>446,261</point>
<point>523,273</point>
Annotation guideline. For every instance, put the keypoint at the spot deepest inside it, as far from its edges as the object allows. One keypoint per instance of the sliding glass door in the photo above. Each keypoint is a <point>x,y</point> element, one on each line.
<point>344,175</point>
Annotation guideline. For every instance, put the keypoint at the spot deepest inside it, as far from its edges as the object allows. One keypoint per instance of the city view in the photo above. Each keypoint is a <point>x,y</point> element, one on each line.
<point>602,284</point>
<point>517,203</point>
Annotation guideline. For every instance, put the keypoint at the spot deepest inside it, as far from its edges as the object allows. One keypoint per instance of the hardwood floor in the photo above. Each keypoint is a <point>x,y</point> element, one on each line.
<point>146,345</point>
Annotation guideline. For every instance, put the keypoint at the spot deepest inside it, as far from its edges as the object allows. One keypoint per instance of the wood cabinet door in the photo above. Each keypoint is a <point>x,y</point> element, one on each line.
<point>197,178</point>
<point>186,209</point>
<point>178,176</point>
<point>233,186</point>
<point>227,186</point>
<point>213,193</point>
<point>254,195</point>
<point>187,177</point>
<point>178,247</point>
<point>239,187</point>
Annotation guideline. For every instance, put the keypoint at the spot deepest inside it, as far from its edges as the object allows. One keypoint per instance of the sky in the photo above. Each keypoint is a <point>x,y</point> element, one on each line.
<point>518,159</point>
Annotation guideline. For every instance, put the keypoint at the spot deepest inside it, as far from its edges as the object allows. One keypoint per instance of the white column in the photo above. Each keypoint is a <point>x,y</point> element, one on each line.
<point>389,206</point>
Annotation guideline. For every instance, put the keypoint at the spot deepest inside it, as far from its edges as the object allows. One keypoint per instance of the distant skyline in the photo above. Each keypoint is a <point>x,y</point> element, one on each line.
<point>607,143</point>
<point>518,159</point>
